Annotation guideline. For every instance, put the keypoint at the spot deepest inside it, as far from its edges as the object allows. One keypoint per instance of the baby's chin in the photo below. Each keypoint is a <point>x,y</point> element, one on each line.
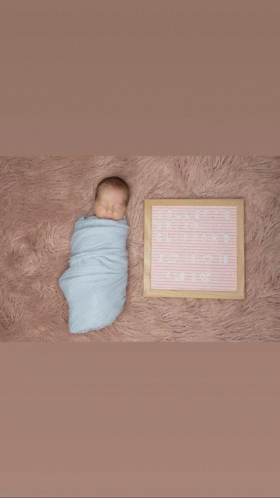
<point>113,219</point>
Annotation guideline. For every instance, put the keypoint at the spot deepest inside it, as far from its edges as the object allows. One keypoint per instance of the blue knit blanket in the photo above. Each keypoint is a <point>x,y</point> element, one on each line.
<point>95,282</point>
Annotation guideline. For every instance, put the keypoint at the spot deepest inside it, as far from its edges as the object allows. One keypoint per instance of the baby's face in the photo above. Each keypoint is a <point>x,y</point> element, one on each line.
<point>110,204</point>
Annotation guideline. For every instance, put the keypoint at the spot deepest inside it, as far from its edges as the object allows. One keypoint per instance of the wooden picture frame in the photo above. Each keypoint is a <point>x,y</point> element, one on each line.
<point>181,285</point>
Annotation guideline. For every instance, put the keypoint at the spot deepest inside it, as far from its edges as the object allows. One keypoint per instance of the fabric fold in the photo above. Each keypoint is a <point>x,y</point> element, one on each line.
<point>96,280</point>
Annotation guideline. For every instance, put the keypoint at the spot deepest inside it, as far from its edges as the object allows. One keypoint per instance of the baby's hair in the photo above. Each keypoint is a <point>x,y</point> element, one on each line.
<point>115,182</point>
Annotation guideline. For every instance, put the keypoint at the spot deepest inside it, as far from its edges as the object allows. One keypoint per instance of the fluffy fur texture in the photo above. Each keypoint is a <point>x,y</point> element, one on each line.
<point>42,197</point>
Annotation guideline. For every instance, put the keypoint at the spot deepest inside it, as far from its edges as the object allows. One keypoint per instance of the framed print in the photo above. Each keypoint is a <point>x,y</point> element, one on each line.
<point>194,248</point>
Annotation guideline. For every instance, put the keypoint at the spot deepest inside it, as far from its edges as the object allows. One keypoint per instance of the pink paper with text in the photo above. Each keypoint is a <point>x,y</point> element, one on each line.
<point>194,248</point>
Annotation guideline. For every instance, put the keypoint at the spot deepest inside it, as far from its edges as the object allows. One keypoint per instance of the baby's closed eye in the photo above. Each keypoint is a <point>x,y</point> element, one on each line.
<point>117,207</point>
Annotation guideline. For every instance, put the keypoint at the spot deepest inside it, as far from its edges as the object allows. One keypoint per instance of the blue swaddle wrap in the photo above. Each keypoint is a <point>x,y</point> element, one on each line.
<point>95,282</point>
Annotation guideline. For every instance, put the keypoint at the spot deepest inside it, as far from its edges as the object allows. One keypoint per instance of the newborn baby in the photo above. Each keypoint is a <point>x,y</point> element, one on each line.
<point>95,282</point>
<point>110,202</point>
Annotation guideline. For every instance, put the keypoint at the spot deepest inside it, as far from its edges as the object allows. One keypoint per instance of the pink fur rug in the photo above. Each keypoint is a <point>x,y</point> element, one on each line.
<point>42,197</point>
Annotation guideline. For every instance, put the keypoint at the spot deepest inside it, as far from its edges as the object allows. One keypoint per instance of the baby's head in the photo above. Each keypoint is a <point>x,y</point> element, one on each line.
<point>111,198</point>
